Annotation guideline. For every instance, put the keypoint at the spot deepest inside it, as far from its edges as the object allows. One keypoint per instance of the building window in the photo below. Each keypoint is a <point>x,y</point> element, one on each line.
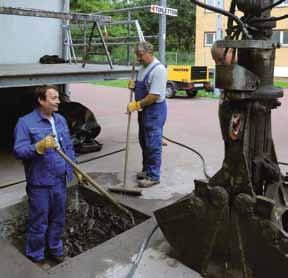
<point>276,36</point>
<point>280,36</point>
<point>214,3</point>
<point>209,38</point>
<point>285,38</point>
<point>210,3</point>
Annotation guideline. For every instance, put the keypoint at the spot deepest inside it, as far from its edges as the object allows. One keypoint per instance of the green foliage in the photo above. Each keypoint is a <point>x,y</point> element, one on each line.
<point>281,84</point>
<point>123,84</point>
<point>112,83</point>
<point>201,93</point>
<point>87,6</point>
<point>179,57</point>
<point>180,30</point>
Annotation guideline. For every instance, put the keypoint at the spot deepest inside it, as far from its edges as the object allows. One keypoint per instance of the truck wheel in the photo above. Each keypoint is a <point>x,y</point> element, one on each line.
<point>210,88</point>
<point>170,93</point>
<point>191,93</point>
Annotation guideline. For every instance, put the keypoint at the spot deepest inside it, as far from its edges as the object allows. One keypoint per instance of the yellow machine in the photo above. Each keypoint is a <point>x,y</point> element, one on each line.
<point>187,78</point>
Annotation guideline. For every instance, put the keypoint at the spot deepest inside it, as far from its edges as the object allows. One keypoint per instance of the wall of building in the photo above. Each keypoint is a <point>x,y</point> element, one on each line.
<point>26,39</point>
<point>281,61</point>
<point>206,22</point>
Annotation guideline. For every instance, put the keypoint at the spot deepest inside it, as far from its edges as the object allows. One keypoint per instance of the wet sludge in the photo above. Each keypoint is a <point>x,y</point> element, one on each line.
<point>90,221</point>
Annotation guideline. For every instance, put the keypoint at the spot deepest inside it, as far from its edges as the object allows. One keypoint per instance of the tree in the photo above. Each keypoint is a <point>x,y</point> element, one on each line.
<point>88,6</point>
<point>180,30</point>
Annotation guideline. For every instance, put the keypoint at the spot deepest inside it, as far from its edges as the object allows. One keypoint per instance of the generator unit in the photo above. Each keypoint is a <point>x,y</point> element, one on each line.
<point>187,78</point>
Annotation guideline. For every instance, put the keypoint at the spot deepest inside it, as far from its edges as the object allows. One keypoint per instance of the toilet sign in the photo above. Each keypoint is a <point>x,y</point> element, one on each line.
<point>161,10</point>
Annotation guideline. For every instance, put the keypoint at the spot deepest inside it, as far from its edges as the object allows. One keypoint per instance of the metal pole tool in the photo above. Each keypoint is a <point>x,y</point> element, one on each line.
<point>122,188</point>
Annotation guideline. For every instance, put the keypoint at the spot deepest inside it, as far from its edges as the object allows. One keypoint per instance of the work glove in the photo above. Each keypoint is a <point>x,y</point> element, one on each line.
<point>133,106</point>
<point>131,84</point>
<point>46,143</point>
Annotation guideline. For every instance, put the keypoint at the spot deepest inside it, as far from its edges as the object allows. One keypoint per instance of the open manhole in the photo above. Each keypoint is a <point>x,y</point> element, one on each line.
<point>90,221</point>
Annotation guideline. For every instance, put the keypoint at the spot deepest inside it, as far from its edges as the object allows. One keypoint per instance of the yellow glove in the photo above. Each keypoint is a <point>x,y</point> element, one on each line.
<point>46,143</point>
<point>131,84</point>
<point>133,106</point>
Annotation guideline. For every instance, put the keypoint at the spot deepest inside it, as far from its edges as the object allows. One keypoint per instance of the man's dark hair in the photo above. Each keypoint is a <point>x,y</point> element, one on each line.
<point>40,92</point>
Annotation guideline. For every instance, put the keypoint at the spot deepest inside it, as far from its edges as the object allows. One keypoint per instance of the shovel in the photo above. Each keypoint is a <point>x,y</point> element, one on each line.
<point>94,184</point>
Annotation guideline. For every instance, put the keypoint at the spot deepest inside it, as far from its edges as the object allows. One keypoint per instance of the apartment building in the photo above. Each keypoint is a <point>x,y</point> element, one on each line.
<point>206,35</point>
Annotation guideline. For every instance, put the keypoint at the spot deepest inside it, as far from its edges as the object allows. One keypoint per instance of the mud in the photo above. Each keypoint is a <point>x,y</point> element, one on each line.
<point>90,220</point>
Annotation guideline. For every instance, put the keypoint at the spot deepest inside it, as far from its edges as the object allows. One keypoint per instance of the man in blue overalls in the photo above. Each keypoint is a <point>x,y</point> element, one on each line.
<point>150,90</point>
<point>46,173</point>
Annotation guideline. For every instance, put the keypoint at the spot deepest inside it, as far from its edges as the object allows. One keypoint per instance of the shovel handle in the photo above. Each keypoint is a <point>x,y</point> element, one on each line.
<point>92,182</point>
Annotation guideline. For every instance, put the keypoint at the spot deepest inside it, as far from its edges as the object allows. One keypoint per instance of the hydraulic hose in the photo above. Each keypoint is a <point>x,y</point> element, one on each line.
<point>228,14</point>
<point>101,156</point>
<point>143,247</point>
<point>80,162</point>
<point>123,149</point>
<point>193,150</point>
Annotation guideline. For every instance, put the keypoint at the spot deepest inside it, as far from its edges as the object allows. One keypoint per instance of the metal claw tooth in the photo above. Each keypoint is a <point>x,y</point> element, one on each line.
<point>244,204</point>
<point>264,206</point>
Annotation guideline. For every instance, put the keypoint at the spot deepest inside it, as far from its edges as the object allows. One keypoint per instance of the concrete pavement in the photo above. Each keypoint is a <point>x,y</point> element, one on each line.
<point>193,122</point>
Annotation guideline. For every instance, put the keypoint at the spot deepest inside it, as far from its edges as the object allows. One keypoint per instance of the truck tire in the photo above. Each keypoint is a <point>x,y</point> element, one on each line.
<point>170,91</point>
<point>191,93</point>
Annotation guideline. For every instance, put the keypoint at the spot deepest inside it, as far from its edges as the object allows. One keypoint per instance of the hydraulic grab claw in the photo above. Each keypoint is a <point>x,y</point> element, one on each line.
<point>236,224</point>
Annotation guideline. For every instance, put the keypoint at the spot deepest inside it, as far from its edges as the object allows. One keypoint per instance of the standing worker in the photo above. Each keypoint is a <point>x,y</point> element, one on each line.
<point>150,91</point>
<point>37,134</point>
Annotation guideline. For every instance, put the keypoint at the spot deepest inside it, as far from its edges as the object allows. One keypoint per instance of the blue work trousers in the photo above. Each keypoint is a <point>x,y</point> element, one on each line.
<point>151,121</point>
<point>46,220</point>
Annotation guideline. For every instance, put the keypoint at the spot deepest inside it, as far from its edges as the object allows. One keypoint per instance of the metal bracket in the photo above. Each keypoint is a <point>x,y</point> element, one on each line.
<point>259,44</point>
<point>235,78</point>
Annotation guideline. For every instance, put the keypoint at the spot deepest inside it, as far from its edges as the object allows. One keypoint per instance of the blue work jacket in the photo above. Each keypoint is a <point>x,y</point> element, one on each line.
<point>48,168</point>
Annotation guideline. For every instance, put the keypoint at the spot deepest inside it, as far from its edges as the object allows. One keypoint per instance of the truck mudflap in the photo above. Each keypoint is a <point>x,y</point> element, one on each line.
<point>83,127</point>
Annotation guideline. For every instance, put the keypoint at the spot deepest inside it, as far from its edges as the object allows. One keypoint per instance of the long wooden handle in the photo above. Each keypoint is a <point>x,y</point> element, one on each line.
<point>128,132</point>
<point>93,183</point>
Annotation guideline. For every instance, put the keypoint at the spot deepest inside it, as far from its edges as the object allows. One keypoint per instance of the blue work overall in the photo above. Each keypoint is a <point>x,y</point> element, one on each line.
<point>46,177</point>
<point>46,219</point>
<point>151,121</point>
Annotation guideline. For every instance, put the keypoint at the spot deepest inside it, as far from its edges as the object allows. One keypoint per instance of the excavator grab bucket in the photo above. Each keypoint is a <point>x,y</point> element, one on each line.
<point>235,225</point>
<point>219,238</point>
